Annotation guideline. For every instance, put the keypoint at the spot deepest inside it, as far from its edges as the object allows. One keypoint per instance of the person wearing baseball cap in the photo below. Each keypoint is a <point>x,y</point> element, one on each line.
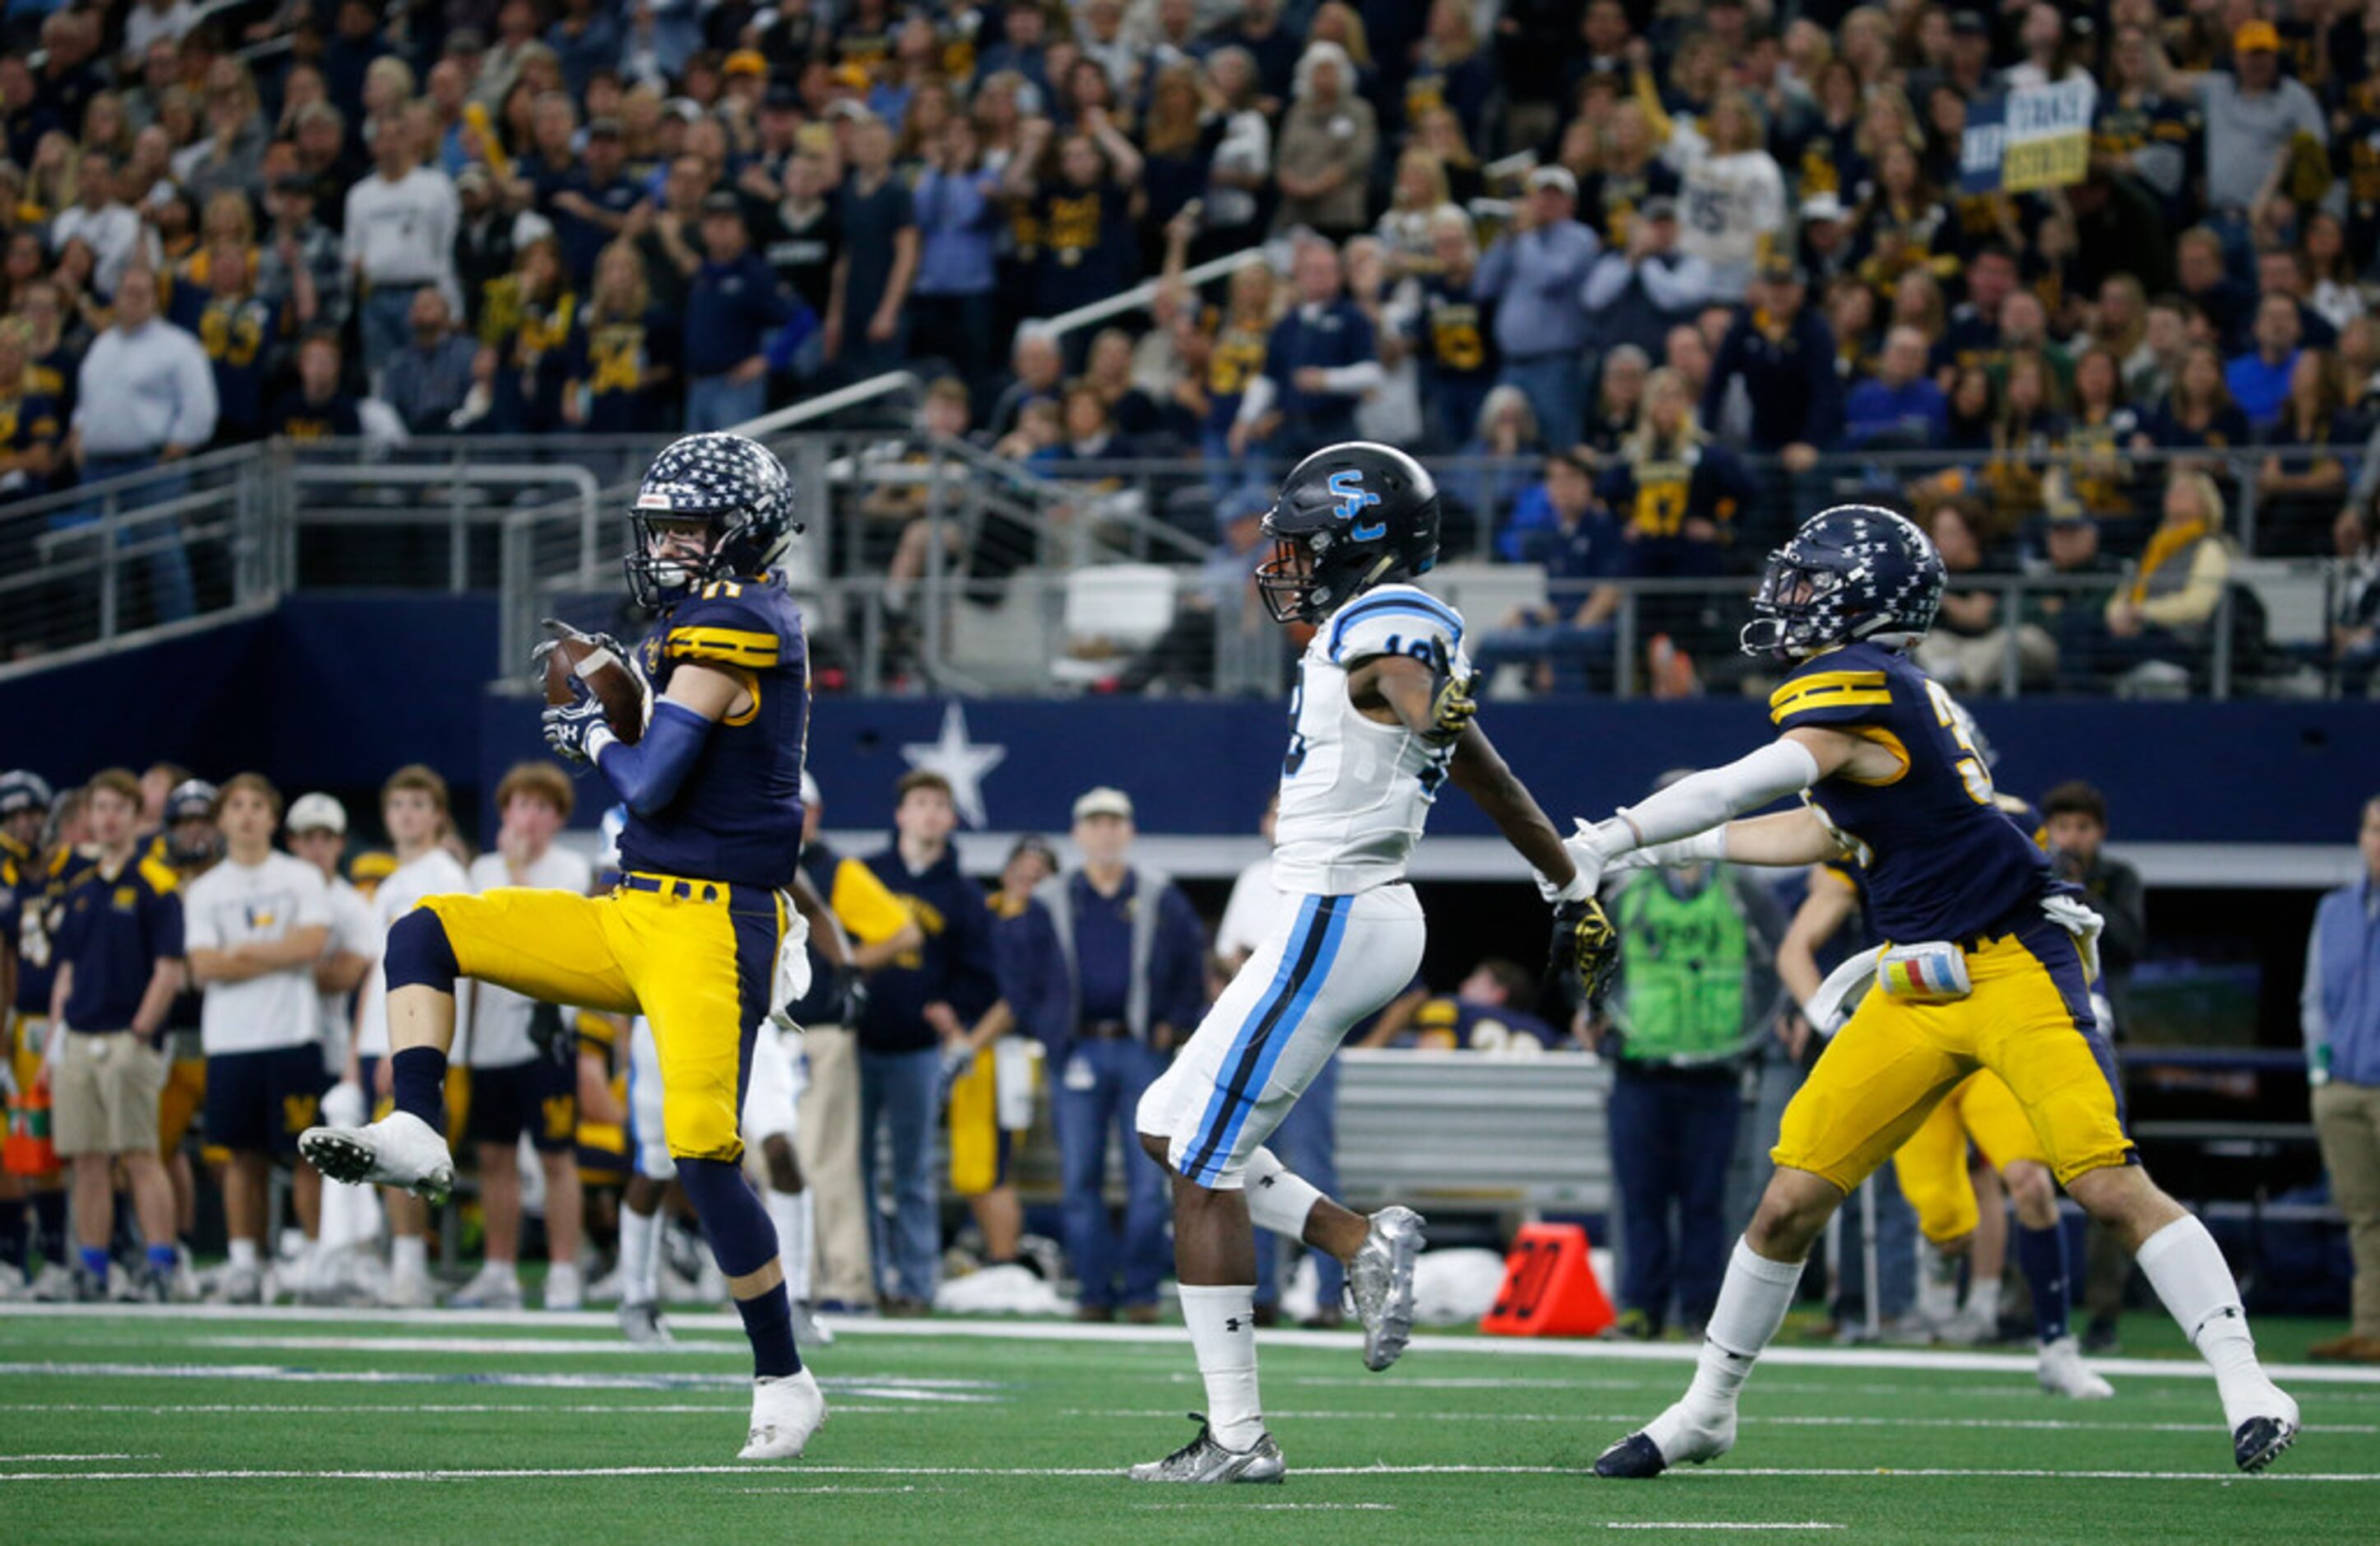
<point>1536,272</point>
<point>2253,113</point>
<point>1636,296</point>
<point>1106,967</point>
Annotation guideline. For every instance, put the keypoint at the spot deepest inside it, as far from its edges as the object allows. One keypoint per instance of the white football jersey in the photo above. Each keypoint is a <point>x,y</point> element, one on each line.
<point>1355,792</point>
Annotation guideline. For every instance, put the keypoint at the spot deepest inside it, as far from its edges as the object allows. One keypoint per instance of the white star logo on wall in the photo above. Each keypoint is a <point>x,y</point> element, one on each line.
<point>961,761</point>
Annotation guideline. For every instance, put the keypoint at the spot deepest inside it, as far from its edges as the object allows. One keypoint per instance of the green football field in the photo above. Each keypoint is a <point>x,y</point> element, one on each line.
<point>201,1425</point>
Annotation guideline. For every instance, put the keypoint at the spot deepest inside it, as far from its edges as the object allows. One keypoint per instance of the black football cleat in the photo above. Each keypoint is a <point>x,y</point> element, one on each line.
<point>2258,1442</point>
<point>1633,1458</point>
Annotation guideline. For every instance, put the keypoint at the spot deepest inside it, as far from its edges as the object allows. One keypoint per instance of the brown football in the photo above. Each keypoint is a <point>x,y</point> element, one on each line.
<point>606,675</point>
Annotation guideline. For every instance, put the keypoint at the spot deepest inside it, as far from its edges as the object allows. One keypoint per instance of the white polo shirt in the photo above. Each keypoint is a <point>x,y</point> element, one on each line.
<point>234,905</point>
<point>500,1016</point>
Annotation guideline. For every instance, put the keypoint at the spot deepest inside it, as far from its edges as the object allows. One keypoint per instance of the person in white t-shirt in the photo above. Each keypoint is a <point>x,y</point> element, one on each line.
<point>317,826</point>
<point>253,927</point>
<point>413,808</point>
<point>518,1087</point>
<point>1256,903</point>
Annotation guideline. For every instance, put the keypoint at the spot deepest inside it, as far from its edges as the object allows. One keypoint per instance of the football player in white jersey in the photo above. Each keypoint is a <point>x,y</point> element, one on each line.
<point>1380,722</point>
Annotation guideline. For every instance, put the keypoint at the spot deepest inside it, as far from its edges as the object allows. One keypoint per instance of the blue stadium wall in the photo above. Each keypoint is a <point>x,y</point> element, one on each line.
<point>333,693</point>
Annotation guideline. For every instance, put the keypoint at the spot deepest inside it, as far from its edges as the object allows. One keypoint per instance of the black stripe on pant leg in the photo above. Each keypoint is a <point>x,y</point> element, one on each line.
<point>756,967</point>
<point>1235,1088</point>
<point>2060,954</point>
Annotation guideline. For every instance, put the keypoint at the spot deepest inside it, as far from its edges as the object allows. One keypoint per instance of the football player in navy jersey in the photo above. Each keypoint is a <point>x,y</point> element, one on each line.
<point>689,937</point>
<point>1988,967</point>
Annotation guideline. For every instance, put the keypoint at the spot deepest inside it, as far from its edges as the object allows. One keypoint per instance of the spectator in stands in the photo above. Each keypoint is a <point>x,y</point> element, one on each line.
<point>624,354</point>
<point>1324,160</point>
<point>254,927</point>
<point>1898,407</point>
<point>237,328</point>
<point>2298,491</point>
<point>2152,363</point>
<point>2259,379</point>
<point>1558,525</point>
<point>1699,988</point>
<point>1619,395</point>
<point>2068,612</point>
<point>591,201</point>
<point>1080,204</point>
<point>1733,184</point>
<point>301,267</point>
<point>427,381</point>
<point>1774,374</point>
<point>1535,276</point>
<point>952,307</point>
<point>917,1006</point>
<point>2255,115</point>
<point>2228,303</point>
<point>1636,294</point>
<point>29,450</point>
<point>1677,494</point>
<point>317,407</point>
<point>1108,968</point>
<point>1272,47</point>
<point>732,306</point>
<point>866,328</point>
<point>525,327</point>
<point>1451,332</point>
<point>2354,642</point>
<point>1320,358</point>
<point>145,397</point>
<point>2166,612</point>
<point>104,222</point>
<point>2199,410</point>
<point>522,1086</point>
<point>2340,1011</point>
<point>400,236</point>
<point>1973,637</point>
<point>118,951</point>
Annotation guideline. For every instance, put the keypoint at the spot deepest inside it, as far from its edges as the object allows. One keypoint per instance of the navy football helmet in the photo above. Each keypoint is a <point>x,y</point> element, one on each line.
<point>193,799</point>
<point>1348,518</point>
<point>737,487</point>
<point>1854,572</point>
<point>21,790</point>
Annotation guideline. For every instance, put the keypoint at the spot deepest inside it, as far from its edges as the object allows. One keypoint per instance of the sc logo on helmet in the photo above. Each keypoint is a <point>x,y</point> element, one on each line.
<point>1347,488</point>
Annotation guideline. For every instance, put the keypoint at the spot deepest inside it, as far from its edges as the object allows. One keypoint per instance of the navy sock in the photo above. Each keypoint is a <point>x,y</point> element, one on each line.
<point>50,1225</point>
<point>2042,1254</point>
<point>741,1236</point>
<point>419,1076</point>
<point>16,1235</point>
<point>769,1321</point>
<point>95,1259</point>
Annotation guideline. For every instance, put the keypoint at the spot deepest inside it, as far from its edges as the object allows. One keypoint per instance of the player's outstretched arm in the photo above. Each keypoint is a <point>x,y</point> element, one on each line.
<point>1699,802</point>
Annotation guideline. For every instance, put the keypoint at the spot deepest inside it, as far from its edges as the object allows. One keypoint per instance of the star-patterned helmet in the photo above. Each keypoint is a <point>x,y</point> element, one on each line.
<point>735,485</point>
<point>1348,518</point>
<point>1854,572</point>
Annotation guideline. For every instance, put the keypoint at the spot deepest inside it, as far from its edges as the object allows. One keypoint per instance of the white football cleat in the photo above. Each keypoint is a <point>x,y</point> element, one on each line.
<point>400,1150</point>
<point>1380,1280</point>
<point>786,1410</point>
<point>493,1287</point>
<point>407,1290</point>
<point>2063,1373</point>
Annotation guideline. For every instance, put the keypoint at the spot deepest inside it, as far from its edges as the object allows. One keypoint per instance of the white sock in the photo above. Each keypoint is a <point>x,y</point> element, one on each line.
<point>1937,1286</point>
<point>408,1257</point>
<point>1222,1323</point>
<point>789,1211</point>
<point>243,1255</point>
<point>2186,1268</point>
<point>1752,1304</point>
<point>562,1285</point>
<point>1279,1198</point>
<point>509,1271</point>
<point>640,1235</point>
<point>1983,1301</point>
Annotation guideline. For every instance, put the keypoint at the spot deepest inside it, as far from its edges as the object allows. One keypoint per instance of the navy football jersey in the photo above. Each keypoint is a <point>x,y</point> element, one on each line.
<point>738,816</point>
<point>1939,859</point>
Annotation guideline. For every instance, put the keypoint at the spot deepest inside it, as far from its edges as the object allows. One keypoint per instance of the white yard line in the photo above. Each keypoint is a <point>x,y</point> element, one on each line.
<point>1116,1473</point>
<point>1920,1359</point>
<point>1715,1525</point>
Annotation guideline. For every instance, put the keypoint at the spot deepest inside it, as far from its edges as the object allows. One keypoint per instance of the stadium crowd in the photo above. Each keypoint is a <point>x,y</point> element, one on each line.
<point>1679,269</point>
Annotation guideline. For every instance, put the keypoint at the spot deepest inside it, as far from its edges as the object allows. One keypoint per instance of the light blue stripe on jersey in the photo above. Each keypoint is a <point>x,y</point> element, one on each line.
<point>1254,1092</point>
<point>1417,604</point>
<point>1218,1103</point>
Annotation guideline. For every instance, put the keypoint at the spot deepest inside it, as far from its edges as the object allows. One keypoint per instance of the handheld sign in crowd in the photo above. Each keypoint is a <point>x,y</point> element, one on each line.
<point>2035,137</point>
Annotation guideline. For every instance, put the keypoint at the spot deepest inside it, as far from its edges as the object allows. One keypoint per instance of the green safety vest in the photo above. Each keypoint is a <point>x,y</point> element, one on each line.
<point>1686,960</point>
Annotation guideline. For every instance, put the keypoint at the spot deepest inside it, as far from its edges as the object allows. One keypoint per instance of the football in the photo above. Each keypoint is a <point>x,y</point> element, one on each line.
<point>606,675</point>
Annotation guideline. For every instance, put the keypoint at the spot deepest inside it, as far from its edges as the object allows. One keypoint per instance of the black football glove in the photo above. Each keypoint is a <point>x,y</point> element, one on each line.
<point>1585,950</point>
<point>1455,706</point>
<point>554,1039</point>
<point>850,996</point>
